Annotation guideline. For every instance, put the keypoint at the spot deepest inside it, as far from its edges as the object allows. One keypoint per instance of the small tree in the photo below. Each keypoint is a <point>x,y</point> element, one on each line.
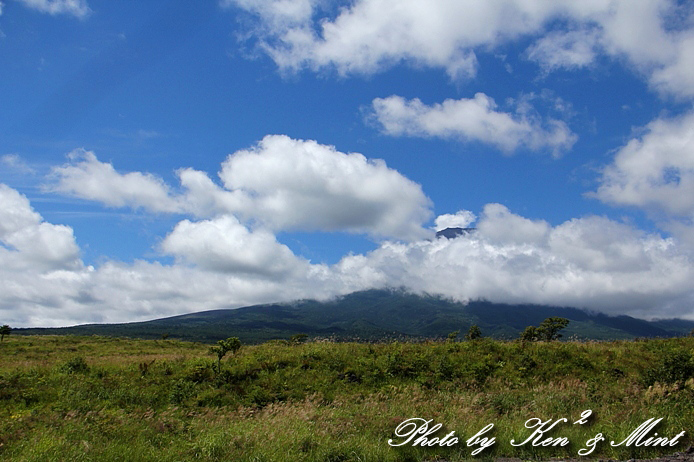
<point>223,347</point>
<point>452,336</point>
<point>4,330</point>
<point>529,334</point>
<point>473,333</point>
<point>549,329</point>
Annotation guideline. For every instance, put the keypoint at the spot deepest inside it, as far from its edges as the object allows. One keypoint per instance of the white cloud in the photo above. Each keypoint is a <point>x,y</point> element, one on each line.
<point>475,119</point>
<point>295,184</point>
<point>28,242</point>
<point>225,245</point>
<point>88,178</point>
<point>369,35</point>
<point>565,49</point>
<point>588,262</point>
<point>499,225</point>
<point>77,8</point>
<point>17,214</point>
<point>366,36</point>
<point>460,219</point>
<point>677,75</point>
<point>280,13</point>
<point>14,162</point>
<point>655,171</point>
<point>282,183</point>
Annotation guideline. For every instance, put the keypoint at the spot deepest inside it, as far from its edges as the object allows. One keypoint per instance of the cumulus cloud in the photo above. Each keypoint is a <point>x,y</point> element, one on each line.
<point>500,226</point>
<point>294,184</point>
<point>77,8</point>
<point>225,245</point>
<point>655,170</point>
<point>28,242</point>
<point>474,119</point>
<point>88,178</point>
<point>676,76</point>
<point>460,219</point>
<point>281,183</point>
<point>43,281</point>
<point>590,262</point>
<point>366,36</point>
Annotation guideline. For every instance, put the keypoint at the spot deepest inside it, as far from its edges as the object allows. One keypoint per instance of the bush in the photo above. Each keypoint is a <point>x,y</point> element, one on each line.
<point>298,339</point>
<point>473,333</point>
<point>76,365</point>
<point>673,367</point>
<point>529,334</point>
<point>181,391</point>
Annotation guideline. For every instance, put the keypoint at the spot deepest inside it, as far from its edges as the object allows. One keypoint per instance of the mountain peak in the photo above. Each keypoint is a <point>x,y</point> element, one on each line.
<point>452,233</point>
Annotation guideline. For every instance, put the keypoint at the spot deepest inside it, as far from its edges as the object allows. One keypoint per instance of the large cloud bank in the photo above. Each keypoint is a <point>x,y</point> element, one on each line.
<point>226,254</point>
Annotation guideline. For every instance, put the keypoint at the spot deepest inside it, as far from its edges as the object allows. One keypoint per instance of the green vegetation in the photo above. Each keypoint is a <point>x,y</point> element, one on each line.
<point>547,331</point>
<point>452,336</point>
<point>374,315</point>
<point>473,333</point>
<point>232,344</point>
<point>107,399</point>
<point>297,339</point>
<point>4,330</point>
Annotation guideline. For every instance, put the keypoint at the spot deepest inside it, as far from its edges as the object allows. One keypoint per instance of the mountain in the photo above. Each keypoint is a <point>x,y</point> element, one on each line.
<point>452,233</point>
<point>374,315</point>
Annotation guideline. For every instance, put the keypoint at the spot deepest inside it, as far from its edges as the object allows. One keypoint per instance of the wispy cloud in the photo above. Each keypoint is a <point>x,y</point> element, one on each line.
<point>16,163</point>
<point>77,8</point>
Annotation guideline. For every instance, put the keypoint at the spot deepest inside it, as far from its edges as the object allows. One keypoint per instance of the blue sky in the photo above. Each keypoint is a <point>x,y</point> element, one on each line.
<point>158,158</point>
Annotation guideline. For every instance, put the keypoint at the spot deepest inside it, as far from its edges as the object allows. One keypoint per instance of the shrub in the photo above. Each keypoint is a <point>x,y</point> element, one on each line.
<point>76,365</point>
<point>4,330</point>
<point>673,367</point>
<point>223,347</point>
<point>452,336</point>
<point>529,334</point>
<point>181,391</point>
<point>473,333</point>
<point>298,339</point>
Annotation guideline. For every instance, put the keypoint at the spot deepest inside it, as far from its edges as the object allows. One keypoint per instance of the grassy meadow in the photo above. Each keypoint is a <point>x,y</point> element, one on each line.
<point>98,398</point>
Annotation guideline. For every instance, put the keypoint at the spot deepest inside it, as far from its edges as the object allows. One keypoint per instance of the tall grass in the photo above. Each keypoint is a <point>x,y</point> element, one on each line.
<point>95,398</point>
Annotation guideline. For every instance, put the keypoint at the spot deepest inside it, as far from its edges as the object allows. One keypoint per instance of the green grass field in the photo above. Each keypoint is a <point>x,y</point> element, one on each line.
<point>97,398</point>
